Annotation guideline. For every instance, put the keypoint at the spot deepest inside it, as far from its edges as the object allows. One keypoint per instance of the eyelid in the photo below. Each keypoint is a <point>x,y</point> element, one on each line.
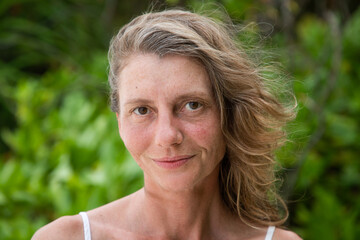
<point>137,108</point>
<point>202,104</point>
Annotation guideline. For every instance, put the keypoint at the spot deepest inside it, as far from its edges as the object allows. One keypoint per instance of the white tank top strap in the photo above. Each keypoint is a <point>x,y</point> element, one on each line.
<point>86,223</point>
<point>270,233</point>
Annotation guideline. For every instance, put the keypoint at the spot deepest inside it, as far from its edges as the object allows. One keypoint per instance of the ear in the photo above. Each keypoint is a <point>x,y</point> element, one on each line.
<point>118,121</point>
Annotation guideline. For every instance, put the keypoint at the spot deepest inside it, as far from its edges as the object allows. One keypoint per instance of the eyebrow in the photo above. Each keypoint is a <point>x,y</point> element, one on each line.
<point>193,94</point>
<point>137,100</point>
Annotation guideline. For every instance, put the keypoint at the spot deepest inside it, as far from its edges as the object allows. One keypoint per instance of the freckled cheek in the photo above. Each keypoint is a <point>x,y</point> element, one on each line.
<point>206,133</point>
<point>136,140</point>
<point>198,132</point>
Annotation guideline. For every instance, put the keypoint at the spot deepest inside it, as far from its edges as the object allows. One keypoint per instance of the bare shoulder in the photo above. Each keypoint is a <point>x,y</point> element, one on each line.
<point>282,234</point>
<point>67,227</point>
<point>106,214</point>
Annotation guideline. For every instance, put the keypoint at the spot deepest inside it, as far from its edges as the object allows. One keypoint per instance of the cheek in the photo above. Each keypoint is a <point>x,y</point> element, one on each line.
<point>207,133</point>
<point>135,138</point>
<point>200,132</point>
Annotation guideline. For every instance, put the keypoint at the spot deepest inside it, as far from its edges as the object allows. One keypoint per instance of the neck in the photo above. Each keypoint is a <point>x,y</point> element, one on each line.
<point>188,214</point>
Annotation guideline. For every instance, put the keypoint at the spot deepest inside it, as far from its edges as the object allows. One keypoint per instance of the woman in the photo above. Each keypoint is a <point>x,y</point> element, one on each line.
<point>198,118</point>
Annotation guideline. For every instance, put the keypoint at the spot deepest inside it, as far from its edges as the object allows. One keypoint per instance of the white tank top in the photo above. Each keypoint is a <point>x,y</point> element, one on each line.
<point>86,223</point>
<point>87,232</point>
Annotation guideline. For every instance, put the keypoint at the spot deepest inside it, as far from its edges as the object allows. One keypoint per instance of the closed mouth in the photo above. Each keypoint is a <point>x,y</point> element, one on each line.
<point>173,159</point>
<point>172,162</point>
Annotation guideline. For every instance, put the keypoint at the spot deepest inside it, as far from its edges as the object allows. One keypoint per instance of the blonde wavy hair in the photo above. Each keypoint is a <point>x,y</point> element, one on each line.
<point>252,118</point>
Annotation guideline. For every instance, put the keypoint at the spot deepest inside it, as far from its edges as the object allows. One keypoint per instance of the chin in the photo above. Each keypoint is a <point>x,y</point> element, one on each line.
<point>182,182</point>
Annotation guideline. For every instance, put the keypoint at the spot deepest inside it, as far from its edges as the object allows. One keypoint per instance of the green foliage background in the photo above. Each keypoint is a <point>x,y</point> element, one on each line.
<point>60,152</point>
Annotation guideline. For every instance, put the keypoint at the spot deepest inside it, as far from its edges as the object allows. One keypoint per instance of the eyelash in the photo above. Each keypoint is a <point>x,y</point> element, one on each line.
<point>200,105</point>
<point>136,110</point>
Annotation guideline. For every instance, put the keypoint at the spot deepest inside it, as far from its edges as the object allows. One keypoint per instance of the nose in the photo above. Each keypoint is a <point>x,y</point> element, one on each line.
<point>167,132</point>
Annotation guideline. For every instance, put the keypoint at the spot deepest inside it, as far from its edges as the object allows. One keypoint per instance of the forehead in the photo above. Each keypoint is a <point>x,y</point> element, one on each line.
<point>142,63</point>
<point>170,74</point>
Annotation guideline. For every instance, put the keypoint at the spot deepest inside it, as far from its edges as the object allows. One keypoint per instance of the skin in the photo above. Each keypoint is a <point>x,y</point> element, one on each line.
<point>170,124</point>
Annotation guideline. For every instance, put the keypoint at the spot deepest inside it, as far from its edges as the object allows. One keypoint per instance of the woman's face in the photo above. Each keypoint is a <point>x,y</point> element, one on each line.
<point>169,120</point>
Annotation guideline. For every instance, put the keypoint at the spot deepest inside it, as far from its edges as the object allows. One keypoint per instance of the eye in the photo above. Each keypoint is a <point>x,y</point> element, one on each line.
<point>193,106</point>
<point>141,111</point>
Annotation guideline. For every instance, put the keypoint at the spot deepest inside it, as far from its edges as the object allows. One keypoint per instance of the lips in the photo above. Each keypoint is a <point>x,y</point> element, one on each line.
<point>172,162</point>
